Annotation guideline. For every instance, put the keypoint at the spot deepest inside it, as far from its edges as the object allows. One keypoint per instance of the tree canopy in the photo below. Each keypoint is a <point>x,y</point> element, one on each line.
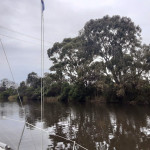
<point>108,52</point>
<point>107,60</point>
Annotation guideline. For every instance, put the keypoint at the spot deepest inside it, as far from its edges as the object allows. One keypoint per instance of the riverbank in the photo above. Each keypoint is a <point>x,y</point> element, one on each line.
<point>100,99</point>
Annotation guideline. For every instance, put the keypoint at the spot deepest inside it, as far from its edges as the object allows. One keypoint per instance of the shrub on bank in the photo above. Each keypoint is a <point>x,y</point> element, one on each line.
<point>13,98</point>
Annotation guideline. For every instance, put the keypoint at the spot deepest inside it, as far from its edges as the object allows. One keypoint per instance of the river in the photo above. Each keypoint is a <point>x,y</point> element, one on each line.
<point>92,125</point>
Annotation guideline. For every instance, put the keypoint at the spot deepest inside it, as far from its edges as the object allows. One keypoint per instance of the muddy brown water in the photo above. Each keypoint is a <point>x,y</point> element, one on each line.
<point>94,126</point>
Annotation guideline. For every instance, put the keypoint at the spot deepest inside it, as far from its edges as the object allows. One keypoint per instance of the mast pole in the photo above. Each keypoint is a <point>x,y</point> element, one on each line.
<point>42,68</point>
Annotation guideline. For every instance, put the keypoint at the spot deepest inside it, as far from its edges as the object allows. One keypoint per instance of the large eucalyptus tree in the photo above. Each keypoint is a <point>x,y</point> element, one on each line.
<point>106,51</point>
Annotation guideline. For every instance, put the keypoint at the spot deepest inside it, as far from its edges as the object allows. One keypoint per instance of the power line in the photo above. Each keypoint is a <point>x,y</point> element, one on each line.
<point>23,34</point>
<point>20,40</point>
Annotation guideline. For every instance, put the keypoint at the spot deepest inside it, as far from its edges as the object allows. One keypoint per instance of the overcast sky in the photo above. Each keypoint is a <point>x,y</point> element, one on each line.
<point>63,18</point>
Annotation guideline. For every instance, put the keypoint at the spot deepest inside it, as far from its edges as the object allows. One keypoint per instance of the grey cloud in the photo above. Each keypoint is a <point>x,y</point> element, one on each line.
<point>63,18</point>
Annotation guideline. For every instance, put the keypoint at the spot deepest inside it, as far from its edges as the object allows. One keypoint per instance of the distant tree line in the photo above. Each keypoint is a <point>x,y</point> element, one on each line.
<point>106,61</point>
<point>7,88</point>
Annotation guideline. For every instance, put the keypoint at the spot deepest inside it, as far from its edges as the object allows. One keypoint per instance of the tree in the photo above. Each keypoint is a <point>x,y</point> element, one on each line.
<point>33,80</point>
<point>108,53</point>
<point>22,89</point>
<point>116,42</point>
<point>7,88</point>
<point>51,85</point>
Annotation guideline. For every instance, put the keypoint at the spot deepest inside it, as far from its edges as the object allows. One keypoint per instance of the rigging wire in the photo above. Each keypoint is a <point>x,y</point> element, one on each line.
<point>16,90</point>
<point>42,75</point>
<point>12,77</point>
<point>21,136</point>
<point>46,132</point>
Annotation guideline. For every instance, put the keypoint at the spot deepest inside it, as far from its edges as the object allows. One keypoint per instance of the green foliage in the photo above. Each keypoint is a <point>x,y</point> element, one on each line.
<point>65,92</point>
<point>72,92</point>
<point>36,94</point>
<point>107,59</point>
<point>31,88</point>
<point>31,92</point>
<point>53,90</point>
<point>77,93</point>
<point>7,88</point>
<point>33,80</point>
<point>4,95</point>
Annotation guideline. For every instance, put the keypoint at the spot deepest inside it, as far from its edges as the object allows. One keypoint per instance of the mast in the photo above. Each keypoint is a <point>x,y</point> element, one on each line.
<point>42,68</point>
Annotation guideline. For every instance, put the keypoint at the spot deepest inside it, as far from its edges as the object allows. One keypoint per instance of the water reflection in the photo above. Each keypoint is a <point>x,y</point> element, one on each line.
<point>94,126</point>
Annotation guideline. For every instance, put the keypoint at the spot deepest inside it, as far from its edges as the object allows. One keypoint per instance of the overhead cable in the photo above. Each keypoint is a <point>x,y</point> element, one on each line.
<point>21,40</point>
<point>23,34</point>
